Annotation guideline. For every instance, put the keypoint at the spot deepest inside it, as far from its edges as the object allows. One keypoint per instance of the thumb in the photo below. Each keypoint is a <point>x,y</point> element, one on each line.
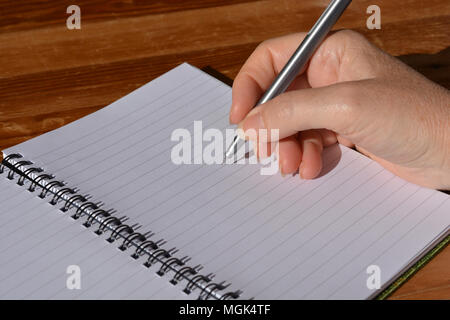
<point>335,107</point>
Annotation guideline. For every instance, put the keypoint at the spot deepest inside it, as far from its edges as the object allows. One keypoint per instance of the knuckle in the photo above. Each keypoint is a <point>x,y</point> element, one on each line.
<point>312,136</point>
<point>351,36</point>
<point>352,39</point>
<point>263,46</point>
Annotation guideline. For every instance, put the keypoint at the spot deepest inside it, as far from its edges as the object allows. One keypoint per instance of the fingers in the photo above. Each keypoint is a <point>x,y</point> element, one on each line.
<point>263,149</point>
<point>290,155</point>
<point>302,152</point>
<point>368,98</point>
<point>343,56</point>
<point>312,146</point>
<point>335,108</point>
<point>328,137</point>
<point>259,71</point>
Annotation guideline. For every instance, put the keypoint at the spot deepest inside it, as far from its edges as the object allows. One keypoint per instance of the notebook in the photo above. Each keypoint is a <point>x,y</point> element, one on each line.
<point>100,199</point>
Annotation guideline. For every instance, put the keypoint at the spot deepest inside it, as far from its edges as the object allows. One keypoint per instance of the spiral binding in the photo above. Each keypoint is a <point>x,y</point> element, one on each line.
<point>93,213</point>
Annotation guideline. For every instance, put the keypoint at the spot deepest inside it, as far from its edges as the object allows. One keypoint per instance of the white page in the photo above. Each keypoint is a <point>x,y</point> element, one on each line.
<point>39,244</point>
<point>270,236</point>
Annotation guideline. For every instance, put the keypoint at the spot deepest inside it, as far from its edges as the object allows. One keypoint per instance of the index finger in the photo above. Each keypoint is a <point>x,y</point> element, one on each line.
<point>259,71</point>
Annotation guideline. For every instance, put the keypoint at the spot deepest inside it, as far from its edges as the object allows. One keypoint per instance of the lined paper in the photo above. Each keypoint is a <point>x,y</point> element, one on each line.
<point>271,237</point>
<point>39,243</point>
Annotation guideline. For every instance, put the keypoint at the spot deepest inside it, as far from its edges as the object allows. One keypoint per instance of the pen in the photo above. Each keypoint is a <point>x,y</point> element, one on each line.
<point>300,57</point>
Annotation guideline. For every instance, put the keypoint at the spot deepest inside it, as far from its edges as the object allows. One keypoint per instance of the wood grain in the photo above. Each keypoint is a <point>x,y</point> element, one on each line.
<point>50,76</point>
<point>40,13</point>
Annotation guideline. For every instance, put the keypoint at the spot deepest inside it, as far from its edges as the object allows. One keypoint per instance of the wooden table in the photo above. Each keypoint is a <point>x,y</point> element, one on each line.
<point>50,75</point>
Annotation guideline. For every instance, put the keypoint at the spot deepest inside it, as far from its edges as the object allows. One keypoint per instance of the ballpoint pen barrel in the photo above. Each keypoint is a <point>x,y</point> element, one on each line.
<point>305,50</point>
<point>301,56</point>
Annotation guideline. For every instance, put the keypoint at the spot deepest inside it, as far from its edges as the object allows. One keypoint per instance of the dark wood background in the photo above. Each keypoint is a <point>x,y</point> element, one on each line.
<point>50,76</point>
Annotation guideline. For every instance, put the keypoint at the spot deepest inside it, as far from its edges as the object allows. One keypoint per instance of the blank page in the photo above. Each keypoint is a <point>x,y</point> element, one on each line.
<point>271,237</point>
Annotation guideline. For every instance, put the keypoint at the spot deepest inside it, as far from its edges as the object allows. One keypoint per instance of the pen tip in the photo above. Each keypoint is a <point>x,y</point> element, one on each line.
<point>232,149</point>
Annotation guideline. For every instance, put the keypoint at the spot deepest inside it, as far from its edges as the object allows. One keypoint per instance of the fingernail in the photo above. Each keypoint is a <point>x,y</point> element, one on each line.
<point>300,171</point>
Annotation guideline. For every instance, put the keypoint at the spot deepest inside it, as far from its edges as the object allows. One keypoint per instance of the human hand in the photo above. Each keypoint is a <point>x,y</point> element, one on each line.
<point>352,93</point>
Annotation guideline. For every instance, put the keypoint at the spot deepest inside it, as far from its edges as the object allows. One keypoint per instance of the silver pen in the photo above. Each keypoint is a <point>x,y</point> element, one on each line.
<point>300,57</point>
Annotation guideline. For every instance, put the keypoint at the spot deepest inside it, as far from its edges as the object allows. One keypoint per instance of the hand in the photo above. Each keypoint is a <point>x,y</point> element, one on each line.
<point>351,93</point>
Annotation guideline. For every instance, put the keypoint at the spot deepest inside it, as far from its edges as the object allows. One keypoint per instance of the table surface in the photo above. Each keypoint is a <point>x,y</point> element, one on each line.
<point>50,76</point>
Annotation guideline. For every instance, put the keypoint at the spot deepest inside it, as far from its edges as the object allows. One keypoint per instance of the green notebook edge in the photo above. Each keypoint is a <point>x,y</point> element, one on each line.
<point>413,269</point>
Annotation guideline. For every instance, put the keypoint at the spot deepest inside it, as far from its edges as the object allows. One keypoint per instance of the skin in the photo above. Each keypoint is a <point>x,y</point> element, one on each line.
<point>352,93</point>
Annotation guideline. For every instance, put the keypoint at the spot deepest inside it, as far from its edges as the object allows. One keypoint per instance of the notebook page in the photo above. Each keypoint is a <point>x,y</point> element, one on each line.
<point>270,236</point>
<point>38,244</point>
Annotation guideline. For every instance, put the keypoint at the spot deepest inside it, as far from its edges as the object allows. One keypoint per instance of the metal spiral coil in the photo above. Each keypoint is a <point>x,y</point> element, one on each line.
<point>16,167</point>
<point>159,254</point>
<point>92,213</point>
<point>108,221</point>
<point>27,172</point>
<point>60,193</point>
<point>185,270</point>
<point>71,200</point>
<point>170,262</point>
<point>210,288</point>
<point>199,279</point>
<point>38,179</point>
<point>83,208</point>
<point>7,159</point>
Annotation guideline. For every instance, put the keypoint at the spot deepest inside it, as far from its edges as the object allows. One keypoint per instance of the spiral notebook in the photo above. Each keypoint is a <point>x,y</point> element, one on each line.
<point>101,195</point>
